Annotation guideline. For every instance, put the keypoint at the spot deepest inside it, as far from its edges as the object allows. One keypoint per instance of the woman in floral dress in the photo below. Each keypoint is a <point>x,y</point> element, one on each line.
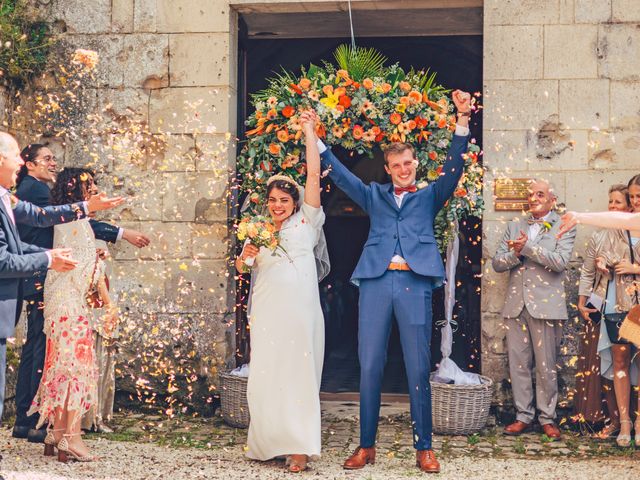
<point>68,386</point>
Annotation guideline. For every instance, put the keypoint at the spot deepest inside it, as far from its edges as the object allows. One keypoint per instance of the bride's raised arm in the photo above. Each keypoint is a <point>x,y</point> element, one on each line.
<point>616,220</point>
<point>312,187</point>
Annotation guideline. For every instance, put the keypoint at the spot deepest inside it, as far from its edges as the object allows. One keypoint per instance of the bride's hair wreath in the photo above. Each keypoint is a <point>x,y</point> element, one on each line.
<point>287,185</point>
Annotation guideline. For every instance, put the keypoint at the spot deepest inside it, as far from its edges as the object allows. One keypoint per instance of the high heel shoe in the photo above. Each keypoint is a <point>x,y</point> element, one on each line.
<point>65,453</point>
<point>50,443</point>
<point>623,440</point>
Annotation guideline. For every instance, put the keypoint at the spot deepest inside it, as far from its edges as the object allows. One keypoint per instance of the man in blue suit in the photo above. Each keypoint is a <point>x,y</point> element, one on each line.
<point>39,169</point>
<point>20,260</point>
<point>397,271</point>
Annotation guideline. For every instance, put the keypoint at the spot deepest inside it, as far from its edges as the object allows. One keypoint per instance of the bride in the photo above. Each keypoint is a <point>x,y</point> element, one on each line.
<point>287,326</point>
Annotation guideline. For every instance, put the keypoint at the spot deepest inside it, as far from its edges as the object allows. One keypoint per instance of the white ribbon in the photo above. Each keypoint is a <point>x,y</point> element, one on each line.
<point>453,249</point>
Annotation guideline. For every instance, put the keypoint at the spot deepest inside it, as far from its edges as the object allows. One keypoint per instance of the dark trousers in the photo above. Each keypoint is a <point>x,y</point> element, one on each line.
<point>31,361</point>
<point>407,297</point>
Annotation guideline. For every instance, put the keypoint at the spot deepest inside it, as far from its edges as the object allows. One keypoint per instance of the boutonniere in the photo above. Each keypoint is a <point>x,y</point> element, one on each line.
<point>546,226</point>
<point>422,184</point>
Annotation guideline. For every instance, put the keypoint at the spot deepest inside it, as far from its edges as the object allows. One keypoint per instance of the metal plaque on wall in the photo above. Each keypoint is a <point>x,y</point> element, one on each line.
<point>511,194</point>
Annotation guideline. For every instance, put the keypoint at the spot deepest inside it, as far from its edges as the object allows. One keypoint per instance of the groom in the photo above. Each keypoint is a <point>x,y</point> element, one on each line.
<point>397,271</point>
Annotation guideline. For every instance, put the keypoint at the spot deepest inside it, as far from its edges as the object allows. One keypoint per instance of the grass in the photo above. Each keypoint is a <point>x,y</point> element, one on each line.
<point>473,440</point>
<point>519,447</point>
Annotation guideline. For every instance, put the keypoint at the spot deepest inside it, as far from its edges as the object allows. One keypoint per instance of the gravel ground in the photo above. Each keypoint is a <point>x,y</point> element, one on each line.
<point>138,461</point>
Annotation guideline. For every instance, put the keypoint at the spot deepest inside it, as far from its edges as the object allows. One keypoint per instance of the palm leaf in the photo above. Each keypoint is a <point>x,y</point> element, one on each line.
<point>360,62</point>
<point>425,81</point>
<point>275,85</point>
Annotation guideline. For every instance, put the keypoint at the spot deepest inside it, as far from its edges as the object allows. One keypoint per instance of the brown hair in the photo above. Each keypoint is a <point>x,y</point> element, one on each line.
<point>635,180</point>
<point>286,187</point>
<point>397,148</point>
<point>28,154</point>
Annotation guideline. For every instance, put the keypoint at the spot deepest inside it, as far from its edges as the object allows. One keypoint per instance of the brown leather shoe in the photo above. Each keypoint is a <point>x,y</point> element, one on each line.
<point>360,458</point>
<point>551,431</point>
<point>517,428</point>
<point>426,460</point>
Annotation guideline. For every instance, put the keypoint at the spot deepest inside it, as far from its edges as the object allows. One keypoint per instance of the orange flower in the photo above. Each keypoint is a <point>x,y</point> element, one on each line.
<point>405,86</point>
<point>321,131</point>
<point>340,91</point>
<point>345,101</point>
<point>460,192</point>
<point>356,85</point>
<point>337,131</point>
<point>415,96</point>
<point>274,149</point>
<point>433,155</point>
<point>327,89</point>
<point>395,118</point>
<point>343,74</point>
<point>265,165</point>
<point>367,83</point>
<point>405,100</point>
<point>340,108</point>
<point>283,135</point>
<point>288,111</point>
<point>358,131</point>
<point>411,124</point>
<point>386,87</point>
<point>442,122</point>
<point>295,88</point>
<point>395,137</point>
<point>376,130</point>
<point>272,114</point>
<point>259,114</point>
<point>421,122</point>
<point>305,83</point>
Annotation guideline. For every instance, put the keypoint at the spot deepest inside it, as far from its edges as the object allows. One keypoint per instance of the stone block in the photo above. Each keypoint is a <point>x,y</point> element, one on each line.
<point>200,59</point>
<point>198,286</point>
<point>505,150</point>
<point>83,17</point>
<point>588,11</point>
<point>179,155</point>
<point>584,104</point>
<point>185,16</point>
<point>122,16</point>
<point>210,241</point>
<point>139,285</point>
<point>570,51</point>
<point>494,334</point>
<point>494,292</point>
<point>496,367</point>
<point>504,100</point>
<point>216,153</point>
<point>559,149</point>
<point>520,12</point>
<point>626,11</point>
<point>513,52</point>
<point>625,105</point>
<point>196,109</point>
<point>145,191</point>
<point>619,52</point>
<point>169,240</point>
<point>614,150</point>
<point>145,16</point>
<point>118,107</point>
<point>587,191</point>
<point>110,69</point>
<point>194,197</point>
<point>567,11</point>
<point>146,60</point>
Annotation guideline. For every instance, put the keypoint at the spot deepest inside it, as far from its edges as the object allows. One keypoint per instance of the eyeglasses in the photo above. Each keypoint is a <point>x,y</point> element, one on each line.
<point>46,159</point>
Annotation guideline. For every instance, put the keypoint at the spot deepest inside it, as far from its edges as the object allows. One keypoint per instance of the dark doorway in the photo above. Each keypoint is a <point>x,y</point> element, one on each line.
<point>458,62</point>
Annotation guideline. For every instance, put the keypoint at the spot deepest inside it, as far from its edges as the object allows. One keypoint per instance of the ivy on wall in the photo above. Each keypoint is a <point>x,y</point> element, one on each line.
<point>24,43</point>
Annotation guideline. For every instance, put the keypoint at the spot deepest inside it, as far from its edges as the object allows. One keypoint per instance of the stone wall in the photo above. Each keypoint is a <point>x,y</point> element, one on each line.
<point>561,102</point>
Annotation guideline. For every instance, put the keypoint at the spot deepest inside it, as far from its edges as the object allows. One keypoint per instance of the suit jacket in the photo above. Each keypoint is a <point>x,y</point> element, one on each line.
<point>536,277</point>
<point>411,224</point>
<point>34,191</point>
<point>18,259</point>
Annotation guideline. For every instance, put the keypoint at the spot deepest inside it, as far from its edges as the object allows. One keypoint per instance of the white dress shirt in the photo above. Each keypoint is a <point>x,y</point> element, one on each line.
<point>535,228</point>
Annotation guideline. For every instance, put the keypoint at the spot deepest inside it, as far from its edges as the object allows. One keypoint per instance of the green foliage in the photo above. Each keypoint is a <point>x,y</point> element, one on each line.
<point>24,43</point>
<point>360,62</point>
<point>426,82</point>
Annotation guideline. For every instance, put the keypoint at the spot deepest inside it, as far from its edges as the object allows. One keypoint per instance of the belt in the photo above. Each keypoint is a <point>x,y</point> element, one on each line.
<point>399,266</point>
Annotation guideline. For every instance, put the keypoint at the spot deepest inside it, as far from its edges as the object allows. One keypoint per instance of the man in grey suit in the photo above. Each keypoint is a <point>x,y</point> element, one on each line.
<point>535,306</point>
<point>19,260</point>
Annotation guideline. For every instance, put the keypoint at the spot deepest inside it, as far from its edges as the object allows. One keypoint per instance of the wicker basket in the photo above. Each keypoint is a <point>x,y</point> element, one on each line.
<point>233,400</point>
<point>460,409</point>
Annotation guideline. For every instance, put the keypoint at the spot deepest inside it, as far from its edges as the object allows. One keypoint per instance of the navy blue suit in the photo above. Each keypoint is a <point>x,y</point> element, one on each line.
<point>33,351</point>
<point>406,295</point>
<point>19,260</point>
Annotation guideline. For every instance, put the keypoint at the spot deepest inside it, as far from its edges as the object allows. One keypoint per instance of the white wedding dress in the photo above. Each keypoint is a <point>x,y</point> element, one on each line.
<point>287,343</point>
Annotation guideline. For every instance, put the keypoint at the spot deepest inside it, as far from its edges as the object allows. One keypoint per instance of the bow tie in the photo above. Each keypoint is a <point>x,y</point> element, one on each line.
<point>535,221</point>
<point>409,189</point>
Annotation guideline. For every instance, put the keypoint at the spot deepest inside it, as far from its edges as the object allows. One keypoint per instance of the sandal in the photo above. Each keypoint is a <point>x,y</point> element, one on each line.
<point>607,432</point>
<point>65,453</point>
<point>297,463</point>
<point>624,440</point>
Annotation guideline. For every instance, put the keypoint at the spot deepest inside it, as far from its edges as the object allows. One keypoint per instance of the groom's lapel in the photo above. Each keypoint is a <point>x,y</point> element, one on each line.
<point>388,196</point>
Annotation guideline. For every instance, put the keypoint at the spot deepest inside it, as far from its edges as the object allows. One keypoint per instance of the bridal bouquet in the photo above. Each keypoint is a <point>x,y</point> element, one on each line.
<point>259,231</point>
